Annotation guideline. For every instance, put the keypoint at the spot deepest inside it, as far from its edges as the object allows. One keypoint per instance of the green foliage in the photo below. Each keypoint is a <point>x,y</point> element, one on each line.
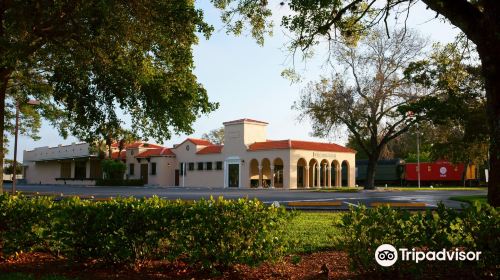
<point>9,167</point>
<point>216,136</point>
<point>211,233</point>
<point>119,182</point>
<point>88,58</point>
<point>475,229</point>
<point>113,169</point>
<point>24,223</point>
<point>455,105</point>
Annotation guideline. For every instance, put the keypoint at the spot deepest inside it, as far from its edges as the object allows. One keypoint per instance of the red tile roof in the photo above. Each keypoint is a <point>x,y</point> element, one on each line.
<point>156,153</point>
<point>142,145</point>
<point>214,149</point>
<point>244,120</point>
<point>298,145</point>
<point>200,142</point>
<point>123,154</point>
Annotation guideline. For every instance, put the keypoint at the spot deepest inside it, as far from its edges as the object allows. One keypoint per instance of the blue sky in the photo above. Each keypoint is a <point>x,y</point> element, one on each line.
<point>245,79</point>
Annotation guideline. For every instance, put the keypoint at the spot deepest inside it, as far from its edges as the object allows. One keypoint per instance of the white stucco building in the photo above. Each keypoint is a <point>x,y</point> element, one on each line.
<point>246,159</point>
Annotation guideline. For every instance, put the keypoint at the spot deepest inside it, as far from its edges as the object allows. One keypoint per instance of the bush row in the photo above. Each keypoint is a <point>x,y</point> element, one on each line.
<point>119,182</point>
<point>475,228</point>
<point>213,233</point>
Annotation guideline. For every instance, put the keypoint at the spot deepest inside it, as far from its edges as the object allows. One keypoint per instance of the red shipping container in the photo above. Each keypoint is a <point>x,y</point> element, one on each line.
<point>435,171</point>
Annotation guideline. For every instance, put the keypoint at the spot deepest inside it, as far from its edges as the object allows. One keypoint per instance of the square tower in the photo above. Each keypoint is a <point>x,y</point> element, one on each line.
<point>240,133</point>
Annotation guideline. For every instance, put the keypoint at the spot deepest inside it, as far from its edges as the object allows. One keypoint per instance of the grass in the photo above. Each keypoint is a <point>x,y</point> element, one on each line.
<point>24,276</point>
<point>452,188</point>
<point>313,231</point>
<point>470,198</point>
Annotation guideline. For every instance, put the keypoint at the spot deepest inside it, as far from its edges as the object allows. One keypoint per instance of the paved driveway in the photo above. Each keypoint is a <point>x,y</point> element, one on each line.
<point>365,197</point>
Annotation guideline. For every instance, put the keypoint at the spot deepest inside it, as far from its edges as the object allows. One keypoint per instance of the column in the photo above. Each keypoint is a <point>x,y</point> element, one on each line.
<point>323,184</point>
<point>339,176</point>
<point>313,176</point>
<point>328,177</point>
<point>272,177</point>
<point>318,169</point>
<point>260,176</point>
<point>306,176</point>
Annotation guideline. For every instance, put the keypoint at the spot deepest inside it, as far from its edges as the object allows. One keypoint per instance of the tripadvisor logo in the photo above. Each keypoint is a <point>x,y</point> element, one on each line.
<point>387,255</point>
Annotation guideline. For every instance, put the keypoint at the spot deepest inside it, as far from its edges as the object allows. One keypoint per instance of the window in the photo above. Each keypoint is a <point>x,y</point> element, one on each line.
<point>218,165</point>
<point>131,169</point>
<point>153,168</point>
<point>80,169</point>
<point>191,166</point>
<point>209,166</point>
<point>200,165</point>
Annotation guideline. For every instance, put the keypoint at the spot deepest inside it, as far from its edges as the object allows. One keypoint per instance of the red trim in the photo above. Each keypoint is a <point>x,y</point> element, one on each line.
<point>244,120</point>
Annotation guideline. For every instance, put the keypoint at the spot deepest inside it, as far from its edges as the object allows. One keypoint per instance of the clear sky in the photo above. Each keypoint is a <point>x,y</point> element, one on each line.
<point>246,80</point>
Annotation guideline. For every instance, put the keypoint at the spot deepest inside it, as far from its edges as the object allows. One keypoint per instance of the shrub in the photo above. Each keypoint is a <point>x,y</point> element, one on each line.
<point>476,228</point>
<point>24,223</point>
<point>113,169</point>
<point>119,182</point>
<point>211,233</point>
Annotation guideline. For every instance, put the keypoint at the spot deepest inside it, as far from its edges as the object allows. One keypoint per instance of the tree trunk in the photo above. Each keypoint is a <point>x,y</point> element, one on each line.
<point>371,170</point>
<point>4,78</point>
<point>490,60</point>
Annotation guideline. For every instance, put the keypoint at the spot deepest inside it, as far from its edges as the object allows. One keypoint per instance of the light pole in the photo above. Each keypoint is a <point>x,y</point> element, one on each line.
<point>418,156</point>
<point>16,130</point>
<point>412,115</point>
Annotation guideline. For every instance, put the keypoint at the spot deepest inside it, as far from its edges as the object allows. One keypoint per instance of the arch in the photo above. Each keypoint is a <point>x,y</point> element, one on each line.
<point>335,173</point>
<point>313,173</point>
<point>345,174</point>
<point>323,175</point>
<point>301,173</point>
<point>277,173</point>
<point>253,173</point>
<point>266,172</point>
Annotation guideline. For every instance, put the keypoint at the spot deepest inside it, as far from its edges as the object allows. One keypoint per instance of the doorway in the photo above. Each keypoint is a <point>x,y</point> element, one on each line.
<point>176,177</point>
<point>233,175</point>
<point>144,173</point>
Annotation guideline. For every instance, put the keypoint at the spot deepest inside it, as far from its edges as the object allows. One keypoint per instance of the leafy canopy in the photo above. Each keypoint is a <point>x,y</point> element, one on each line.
<point>89,61</point>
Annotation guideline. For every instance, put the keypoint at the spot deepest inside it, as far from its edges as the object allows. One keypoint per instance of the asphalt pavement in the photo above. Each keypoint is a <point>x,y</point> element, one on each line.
<point>421,199</point>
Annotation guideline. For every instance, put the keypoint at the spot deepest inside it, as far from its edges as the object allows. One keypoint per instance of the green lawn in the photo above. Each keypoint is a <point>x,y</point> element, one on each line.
<point>470,198</point>
<point>313,231</point>
<point>436,188</point>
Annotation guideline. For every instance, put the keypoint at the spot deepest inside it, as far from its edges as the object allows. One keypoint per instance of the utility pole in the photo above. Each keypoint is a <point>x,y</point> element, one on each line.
<point>14,164</point>
<point>418,156</point>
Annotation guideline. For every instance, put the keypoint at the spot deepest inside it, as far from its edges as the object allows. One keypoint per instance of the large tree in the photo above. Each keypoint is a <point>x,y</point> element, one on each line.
<point>321,20</point>
<point>215,136</point>
<point>455,105</point>
<point>365,95</point>
<point>89,59</point>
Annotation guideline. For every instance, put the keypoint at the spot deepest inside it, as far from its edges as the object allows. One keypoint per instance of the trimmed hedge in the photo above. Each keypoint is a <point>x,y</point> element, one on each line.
<point>119,182</point>
<point>475,228</point>
<point>211,233</point>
